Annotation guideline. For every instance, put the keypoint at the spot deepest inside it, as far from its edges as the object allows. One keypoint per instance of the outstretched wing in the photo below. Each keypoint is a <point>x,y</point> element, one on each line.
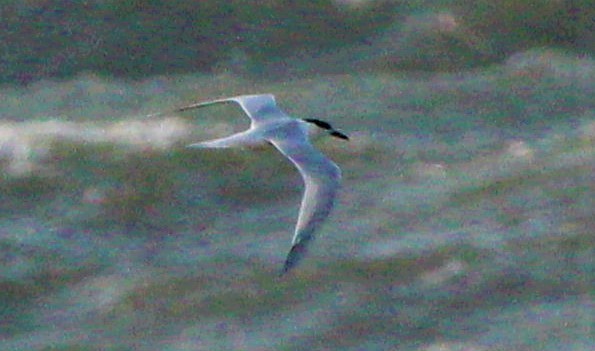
<point>259,108</point>
<point>321,179</point>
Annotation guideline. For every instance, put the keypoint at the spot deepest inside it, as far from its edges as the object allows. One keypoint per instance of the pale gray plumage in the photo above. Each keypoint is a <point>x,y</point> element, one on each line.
<point>290,136</point>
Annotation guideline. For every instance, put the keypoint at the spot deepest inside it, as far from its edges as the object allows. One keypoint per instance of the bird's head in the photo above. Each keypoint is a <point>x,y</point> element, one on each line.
<point>327,127</point>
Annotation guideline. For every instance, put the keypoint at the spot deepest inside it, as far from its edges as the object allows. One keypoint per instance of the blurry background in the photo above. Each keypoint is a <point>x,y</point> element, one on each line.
<point>137,38</point>
<point>466,217</point>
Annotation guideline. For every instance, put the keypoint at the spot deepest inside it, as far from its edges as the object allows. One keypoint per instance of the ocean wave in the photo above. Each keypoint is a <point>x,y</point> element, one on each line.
<point>457,222</point>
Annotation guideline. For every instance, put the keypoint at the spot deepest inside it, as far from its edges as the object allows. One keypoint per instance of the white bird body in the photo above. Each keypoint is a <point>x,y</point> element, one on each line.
<point>290,136</point>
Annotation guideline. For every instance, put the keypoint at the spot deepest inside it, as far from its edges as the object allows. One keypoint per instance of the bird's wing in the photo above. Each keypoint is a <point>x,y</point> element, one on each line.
<point>259,108</point>
<point>321,179</point>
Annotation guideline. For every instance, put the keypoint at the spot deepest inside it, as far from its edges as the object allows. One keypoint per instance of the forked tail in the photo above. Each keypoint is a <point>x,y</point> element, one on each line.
<point>245,138</point>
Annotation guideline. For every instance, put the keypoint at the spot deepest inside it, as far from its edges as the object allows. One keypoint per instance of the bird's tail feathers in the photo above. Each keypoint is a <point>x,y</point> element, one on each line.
<point>247,138</point>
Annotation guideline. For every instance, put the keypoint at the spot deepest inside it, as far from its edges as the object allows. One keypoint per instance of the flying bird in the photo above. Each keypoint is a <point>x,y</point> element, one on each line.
<point>289,135</point>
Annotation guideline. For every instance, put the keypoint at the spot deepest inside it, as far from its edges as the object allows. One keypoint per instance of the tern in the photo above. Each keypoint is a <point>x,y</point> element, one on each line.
<point>289,135</point>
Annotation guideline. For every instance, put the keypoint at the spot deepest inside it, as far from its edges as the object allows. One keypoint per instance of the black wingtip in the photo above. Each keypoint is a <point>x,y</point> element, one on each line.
<point>297,252</point>
<point>185,108</point>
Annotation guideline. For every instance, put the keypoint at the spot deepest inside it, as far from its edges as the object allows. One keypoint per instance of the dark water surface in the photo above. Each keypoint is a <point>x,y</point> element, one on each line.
<point>465,221</point>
